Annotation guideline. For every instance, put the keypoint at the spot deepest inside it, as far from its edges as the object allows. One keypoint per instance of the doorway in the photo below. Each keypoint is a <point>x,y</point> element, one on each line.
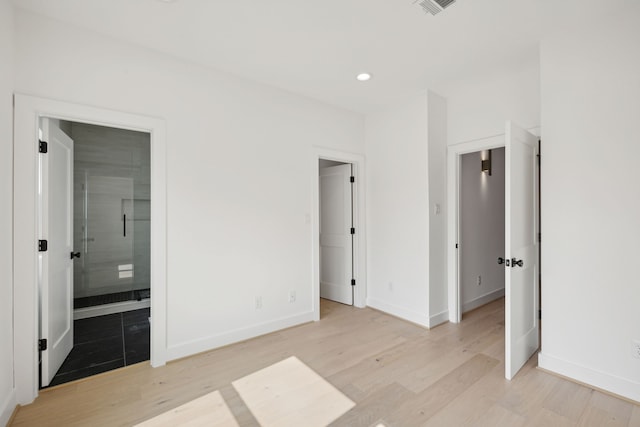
<point>337,231</point>
<point>95,205</point>
<point>28,110</point>
<point>356,164</point>
<point>521,225</point>
<point>482,228</point>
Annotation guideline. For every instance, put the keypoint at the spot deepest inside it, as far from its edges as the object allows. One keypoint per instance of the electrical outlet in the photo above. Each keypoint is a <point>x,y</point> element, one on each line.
<point>258,303</point>
<point>479,281</point>
<point>636,348</point>
<point>292,296</point>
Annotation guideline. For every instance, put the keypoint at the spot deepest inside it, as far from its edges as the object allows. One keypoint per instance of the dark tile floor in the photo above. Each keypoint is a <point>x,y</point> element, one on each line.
<point>104,343</point>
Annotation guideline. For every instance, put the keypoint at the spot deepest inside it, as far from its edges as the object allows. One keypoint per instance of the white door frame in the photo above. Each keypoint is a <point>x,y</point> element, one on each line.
<point>27,112</point>
<point>359,241</point>
<point>454,153</point>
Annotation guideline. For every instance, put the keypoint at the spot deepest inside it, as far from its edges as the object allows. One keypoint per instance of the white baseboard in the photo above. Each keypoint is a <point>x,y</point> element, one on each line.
<point>116,307</point>
<point>401,312</point>
<point>611,383</point>
<point>7,408</point>
<point>209,343</point>
<point>438,319</point>
<point>482,300</point>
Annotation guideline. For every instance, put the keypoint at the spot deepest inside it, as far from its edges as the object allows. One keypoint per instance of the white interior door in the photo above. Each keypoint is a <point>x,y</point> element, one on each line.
<point>521,272</point>
<point>56,271</point>
<point>336,241</point>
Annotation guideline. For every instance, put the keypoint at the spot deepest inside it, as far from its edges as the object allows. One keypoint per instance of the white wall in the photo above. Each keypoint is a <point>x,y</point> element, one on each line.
<point>481,229</point>
<point>591,202</point>
<point>7,401</point>
<point>398,211</point>
<point>479,106</point>
<point>238,180</point>
<point>437,140</point>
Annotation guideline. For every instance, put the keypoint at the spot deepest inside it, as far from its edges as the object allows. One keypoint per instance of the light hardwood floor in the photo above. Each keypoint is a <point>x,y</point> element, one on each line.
<point>397,373</point>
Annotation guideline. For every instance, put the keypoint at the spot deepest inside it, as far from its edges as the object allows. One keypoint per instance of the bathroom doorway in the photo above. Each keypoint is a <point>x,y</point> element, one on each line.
<point>96,185</point>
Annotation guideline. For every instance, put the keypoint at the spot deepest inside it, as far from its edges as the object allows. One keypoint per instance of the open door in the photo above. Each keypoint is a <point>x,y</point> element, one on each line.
<point>56,259</point>
<point>521,273</point>
<point>336,240</point>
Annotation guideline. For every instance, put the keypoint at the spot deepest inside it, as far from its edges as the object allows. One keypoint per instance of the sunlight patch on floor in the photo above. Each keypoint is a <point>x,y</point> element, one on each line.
<point>289,393</point>
<point>209,410</point>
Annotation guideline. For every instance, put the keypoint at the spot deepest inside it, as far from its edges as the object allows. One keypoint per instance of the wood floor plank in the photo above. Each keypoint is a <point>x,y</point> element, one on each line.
<point>607,410</point>
<point>397,373</point>
<point>545,417</point>
<point>499,416</point>
<point>568,399</point>
<point>472,405</point>
<point>427,403</point>
<point>208,410</point>
<point>635,417</point>
<point>371,409</point>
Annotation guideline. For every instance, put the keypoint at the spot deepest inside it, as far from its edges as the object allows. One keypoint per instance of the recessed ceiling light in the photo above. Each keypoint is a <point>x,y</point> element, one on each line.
<point>363,77</point>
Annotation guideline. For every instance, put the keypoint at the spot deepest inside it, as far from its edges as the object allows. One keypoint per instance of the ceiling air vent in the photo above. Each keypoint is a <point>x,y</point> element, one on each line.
<point>434,6</point>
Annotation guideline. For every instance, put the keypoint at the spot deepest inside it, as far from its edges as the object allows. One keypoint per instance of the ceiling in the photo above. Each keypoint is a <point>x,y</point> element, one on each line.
<point>316,48</point>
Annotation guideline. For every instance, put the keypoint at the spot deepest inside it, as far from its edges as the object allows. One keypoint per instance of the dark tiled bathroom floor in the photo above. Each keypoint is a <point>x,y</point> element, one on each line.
<point>104,343</point>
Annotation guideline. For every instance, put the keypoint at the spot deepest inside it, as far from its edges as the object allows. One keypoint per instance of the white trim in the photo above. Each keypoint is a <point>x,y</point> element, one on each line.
<point>401,312</point>
<point>453,194</point>
<point>482,300</point>
<point>7,408</point>
<point>611,383</point>
<point>359,242</point>
<point>231,337</point>
<point>438,319</point>
<point>28,110</point>
<point>116,307</point>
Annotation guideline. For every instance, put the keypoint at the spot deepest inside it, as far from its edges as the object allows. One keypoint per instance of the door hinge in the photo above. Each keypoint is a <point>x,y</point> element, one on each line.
<point>539,314</point>
<point>539,237</point>
<point>353,230</point>
<point>43,147</point>
<point>42,344</point>
<point>43,245</point>
<point>352,179</point>
<point>456,246</point>
<point>353,282</point>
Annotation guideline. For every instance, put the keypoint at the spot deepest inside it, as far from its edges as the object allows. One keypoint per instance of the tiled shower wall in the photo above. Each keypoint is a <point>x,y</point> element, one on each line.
<point>111,180</point>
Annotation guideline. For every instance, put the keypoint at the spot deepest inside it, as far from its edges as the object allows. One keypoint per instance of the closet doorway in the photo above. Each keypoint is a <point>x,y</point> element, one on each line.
<point>337,231</point>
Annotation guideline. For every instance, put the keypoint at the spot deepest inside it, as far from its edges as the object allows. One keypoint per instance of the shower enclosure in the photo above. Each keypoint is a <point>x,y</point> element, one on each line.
<point>111,216</point>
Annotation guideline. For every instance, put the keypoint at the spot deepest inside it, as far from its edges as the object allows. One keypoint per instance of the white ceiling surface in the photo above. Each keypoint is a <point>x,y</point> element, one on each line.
<point>316,48</point>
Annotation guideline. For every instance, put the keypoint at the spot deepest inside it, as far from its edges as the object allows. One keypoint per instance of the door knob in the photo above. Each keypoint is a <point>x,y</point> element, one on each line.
<point>75,255</point>
<point>500,260</point>
<point>515,262</point>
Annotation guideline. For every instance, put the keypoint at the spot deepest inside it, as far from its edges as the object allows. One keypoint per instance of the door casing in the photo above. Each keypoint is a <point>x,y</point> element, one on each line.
<point>359,240</point>
<point>454,153</point>
<point>27,113</point>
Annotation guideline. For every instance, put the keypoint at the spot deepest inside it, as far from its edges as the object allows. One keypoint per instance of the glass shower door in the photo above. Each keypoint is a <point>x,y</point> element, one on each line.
<point>106,235</point>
